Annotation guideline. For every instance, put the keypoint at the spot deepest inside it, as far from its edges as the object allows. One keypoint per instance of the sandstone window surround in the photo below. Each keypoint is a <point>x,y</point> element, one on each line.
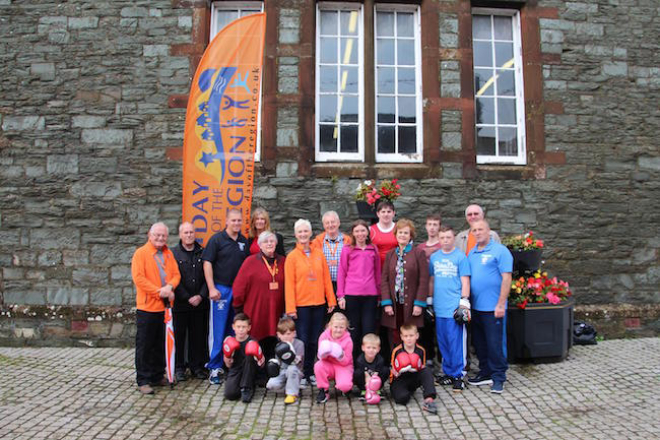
<point>395,83</point>
<point>498,86</point>
<point>223,13</point>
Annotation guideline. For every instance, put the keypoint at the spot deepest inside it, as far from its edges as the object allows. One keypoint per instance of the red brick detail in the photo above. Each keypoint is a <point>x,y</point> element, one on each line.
<point>553,157</point>
<point>551,58</point>
<point>632,323</point>
<point>187,49</point>
<point>553,108</point>
<point>177,101</point>
<point>79,326</point>
<point>174,153</point>
<point>547,12</point>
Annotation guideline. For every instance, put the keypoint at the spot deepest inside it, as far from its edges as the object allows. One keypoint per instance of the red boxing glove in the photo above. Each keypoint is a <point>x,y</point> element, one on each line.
<point>252,348</point>
<point>415,362</point>
<point>401,362</point>
<point>229,346</point>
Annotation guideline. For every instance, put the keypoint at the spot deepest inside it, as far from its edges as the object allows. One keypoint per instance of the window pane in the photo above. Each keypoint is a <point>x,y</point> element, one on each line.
<point>328,80</point>
<point>328,22</point>
<point>385,80</point>
<point>349,109</point>
<point>406,52</point>
<point>385,51</point>
<point>327,138</point>
<point>407,139</point>
<point>349,138</point>
<point>246,12</point>
<point>328,108</point>
<point>407,111</point>
<point>404,24</point>
<point>385,24</point>
<point>506,111</point>
<point>508,141</point>
<point>486,141</point>
<point>506,83</point>
<point>386,109</point>
<point>329,50</point>
<point>349,79</point>
<point>226,17</point>
<point>349,51</point>
<point>386,139</point>
<point>481,77</point>
<point>349,23</point>
<point>483,55</point>
<point>406,81</point>
<point>481,27</point>
<point>504,54</point>
<point>485,111</point>
<point>503,29</point>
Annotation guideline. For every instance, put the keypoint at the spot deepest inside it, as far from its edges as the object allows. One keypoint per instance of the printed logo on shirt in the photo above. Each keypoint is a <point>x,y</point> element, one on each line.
<point>220,304</point>
<point>485,258</point>
<point>241,246</point>
<point>445,269</point>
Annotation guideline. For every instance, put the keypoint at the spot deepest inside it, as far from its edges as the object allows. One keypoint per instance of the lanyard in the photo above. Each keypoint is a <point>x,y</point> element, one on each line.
<point>273,270</point>
<point>332,246</point>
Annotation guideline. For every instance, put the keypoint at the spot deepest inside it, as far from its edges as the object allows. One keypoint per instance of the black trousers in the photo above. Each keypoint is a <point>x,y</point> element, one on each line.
<point>361,313</point>
<point>149,347</point>
<point>427,338</point>
<point>239,377</point>
<point>404,386</point>
<point>309,326</point>
<point>193,324</point>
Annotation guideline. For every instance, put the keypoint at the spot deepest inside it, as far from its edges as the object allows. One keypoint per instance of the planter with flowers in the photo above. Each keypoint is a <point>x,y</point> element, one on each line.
<point>540,314</point>
<point>369,194</point>
<point>527,251</point>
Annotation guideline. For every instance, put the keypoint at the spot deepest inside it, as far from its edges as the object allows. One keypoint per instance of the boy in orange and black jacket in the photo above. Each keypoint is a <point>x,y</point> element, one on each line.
<point>409,370</point>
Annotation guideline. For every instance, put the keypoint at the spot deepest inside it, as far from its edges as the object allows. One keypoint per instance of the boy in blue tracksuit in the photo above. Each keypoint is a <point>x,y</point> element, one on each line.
<point>491,265</point>
<point>449,272</point>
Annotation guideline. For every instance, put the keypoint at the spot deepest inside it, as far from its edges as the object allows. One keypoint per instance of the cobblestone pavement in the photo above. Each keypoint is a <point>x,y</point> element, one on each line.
<point>609,391</point>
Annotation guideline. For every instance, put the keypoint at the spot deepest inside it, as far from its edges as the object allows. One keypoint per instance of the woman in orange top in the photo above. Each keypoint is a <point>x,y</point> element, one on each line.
<point>308,292</point>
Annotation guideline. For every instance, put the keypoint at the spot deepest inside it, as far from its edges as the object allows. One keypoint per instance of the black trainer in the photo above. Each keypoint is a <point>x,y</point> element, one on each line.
<point>458,385</point>
<point>322,396</point>
<point>247,394</point>
<point>430,407</point>
<point>444,380</point>
<point>480,380</point>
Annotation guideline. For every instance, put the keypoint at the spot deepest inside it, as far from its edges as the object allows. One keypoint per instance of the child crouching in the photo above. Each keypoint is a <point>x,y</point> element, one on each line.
<point>243,357</point>
<point>335,354</point>
<point>288,362</point>
<point>369,364</point>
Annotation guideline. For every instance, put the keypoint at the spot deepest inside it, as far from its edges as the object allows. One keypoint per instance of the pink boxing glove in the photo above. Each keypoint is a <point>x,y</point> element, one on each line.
<point>371,396</point>
<point>325,348</point>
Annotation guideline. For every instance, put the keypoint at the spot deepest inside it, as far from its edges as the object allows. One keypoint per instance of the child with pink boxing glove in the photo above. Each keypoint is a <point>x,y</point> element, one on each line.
<point>335,355</point>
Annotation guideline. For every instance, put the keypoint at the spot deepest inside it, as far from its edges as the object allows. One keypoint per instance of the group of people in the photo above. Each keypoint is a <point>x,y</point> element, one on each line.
<point>333,308</point>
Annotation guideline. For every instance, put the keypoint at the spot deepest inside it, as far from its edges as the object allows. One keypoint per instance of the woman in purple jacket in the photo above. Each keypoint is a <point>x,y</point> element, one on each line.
<point>358,282</point>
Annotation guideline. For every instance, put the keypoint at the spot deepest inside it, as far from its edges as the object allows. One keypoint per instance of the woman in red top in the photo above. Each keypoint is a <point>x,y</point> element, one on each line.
<point>260,222</point>
<point>382,233</point>
<point>259,287</point>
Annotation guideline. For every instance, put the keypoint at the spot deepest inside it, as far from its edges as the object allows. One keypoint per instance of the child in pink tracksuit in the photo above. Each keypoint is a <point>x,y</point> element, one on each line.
<point>335,354</point>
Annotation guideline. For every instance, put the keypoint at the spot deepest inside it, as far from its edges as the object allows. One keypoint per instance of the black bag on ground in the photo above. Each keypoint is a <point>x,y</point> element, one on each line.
<point>584,334</point>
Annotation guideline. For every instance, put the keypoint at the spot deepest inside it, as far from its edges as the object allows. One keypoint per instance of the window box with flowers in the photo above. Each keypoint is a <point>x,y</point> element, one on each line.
<point>540,313</point>
<point>368,195</point>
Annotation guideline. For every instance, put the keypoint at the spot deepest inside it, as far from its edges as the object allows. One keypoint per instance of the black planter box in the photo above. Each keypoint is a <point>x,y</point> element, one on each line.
<point>366,212</point>
<point>526,262</point>
<point>540,332</point>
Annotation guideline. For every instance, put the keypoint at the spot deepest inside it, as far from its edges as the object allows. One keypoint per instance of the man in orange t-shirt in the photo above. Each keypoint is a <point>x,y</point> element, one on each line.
<point>156,275</point>
<point>465,241</point>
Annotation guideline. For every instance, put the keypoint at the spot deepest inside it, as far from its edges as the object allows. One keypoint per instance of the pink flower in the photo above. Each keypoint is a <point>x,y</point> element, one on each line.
<point>552,298</point>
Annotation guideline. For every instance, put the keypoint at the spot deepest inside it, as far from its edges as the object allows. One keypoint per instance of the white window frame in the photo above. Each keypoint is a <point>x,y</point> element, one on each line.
<point>239,7</point>
<point>325,156</point>
<point>521,158</point>
<point>396,157</point>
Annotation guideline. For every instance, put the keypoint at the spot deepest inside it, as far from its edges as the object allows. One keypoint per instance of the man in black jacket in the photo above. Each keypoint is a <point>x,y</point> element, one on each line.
<point>191,306</point>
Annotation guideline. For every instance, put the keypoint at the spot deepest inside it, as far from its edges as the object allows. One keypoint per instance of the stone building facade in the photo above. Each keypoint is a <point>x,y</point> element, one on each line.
<point>92,108</point>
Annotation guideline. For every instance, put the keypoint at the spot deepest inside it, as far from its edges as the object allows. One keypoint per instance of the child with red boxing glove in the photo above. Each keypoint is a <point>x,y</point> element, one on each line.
<point>409,370</point>
<point>335,354</point>
<point>243,357</point>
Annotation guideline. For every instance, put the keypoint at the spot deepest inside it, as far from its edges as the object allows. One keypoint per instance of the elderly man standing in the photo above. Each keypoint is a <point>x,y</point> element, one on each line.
<point>156,275</point>
<point>465,240</point>
<point>331,242</point>
<point>491,265</point>
<point>223,257</point>
<point>191,306</point>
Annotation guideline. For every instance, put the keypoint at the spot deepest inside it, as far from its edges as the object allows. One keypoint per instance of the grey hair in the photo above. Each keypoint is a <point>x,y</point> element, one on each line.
<point>158,224</point>
<point>474,204</point>
<point>329,213</point>
<point>184,224</point>
<point>301,222</point>
<point>266,235</point>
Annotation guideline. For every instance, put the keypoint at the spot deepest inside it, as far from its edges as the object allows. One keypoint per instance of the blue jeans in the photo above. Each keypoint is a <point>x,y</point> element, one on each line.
<point>489,340</point>
<point>309,326</point>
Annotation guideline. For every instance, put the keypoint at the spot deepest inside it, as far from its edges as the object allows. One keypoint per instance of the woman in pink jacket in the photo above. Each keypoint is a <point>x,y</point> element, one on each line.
<point>335,358</point>
<point>358,282</point>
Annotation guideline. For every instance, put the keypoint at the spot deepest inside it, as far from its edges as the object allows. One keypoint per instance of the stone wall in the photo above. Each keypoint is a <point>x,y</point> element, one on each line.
<point>92,107</point>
